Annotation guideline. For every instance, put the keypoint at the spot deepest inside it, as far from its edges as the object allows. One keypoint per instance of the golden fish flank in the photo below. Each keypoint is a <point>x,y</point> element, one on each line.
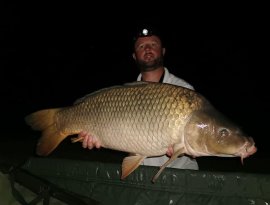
<point>143,119</point>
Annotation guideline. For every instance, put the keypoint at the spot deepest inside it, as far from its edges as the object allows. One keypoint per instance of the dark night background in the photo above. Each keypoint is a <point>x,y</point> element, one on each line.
<point>53,54</point>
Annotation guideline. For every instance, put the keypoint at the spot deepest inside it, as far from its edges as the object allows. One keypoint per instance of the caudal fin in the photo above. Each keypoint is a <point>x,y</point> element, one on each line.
<point>44,121</point>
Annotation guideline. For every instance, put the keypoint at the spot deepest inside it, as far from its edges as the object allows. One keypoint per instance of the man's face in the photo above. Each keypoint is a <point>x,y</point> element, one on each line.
<point>148,53</point>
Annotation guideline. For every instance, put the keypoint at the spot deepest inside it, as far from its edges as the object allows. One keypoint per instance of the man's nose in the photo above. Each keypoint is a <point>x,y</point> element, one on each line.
<point>148,47</point>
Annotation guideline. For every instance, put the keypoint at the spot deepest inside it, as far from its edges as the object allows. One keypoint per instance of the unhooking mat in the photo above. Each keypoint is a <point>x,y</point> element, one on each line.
<point>101,182</point>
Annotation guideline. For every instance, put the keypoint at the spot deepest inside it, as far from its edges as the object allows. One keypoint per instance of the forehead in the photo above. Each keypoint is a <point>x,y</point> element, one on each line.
<point>145,39</point>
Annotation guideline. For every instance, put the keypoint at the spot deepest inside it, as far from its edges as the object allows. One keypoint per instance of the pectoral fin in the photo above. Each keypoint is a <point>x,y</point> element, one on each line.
<point>131,163</point>
<point>176,154</point>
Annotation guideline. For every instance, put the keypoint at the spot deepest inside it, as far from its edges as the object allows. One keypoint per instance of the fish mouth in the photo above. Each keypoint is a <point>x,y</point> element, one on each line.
<point>246,150</point>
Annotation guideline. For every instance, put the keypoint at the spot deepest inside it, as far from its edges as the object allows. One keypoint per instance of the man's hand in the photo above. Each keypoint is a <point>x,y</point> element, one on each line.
<point>169,152</point>
<point>89,141</point>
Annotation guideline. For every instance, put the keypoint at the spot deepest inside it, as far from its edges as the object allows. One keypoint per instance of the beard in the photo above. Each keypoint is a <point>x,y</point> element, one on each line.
<point>149,66</point>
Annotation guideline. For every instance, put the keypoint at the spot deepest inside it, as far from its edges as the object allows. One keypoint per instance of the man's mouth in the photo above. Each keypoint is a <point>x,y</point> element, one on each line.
<point>148,56</point>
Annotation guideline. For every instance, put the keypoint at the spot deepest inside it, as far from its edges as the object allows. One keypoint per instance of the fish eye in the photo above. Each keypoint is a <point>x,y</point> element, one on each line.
<point>223,132</point>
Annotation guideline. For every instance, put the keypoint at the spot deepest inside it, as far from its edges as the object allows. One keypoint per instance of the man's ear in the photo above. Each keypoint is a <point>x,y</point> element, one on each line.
<point>163,51</point>
<point>134,56</point>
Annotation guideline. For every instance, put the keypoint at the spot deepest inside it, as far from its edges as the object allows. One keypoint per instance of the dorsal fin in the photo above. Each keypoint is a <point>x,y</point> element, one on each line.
<point>95,93</point>
<point>135,83</point>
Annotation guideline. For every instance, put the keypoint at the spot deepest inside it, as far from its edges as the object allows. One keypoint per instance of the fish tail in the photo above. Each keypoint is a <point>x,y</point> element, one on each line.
<point>44,120</point>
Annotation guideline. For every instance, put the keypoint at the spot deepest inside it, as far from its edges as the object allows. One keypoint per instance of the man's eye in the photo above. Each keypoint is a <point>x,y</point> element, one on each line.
<point>140,47</point>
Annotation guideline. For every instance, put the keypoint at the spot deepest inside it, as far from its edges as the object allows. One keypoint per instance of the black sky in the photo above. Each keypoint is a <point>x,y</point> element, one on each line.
<point>54,54</point>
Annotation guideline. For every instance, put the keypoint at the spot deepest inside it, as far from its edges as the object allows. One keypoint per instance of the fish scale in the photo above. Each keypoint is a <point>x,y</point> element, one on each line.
<point>118,107</point>
<point>144,119</point>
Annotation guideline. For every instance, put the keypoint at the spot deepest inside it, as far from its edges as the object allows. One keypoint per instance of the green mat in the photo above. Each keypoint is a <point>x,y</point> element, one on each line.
<point>101,182</point>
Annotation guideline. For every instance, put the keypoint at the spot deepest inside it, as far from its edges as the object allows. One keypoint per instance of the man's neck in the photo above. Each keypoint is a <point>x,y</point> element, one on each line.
<point>154,75</point>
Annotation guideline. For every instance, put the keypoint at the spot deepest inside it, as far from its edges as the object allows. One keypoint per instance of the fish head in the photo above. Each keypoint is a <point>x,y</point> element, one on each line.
<point>209,133</point>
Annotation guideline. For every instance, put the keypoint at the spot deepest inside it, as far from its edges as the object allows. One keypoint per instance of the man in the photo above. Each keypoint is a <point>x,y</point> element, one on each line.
<point>148,54</point>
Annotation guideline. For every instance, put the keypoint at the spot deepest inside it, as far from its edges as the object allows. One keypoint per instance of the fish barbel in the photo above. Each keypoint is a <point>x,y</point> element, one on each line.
<point>144,119</point>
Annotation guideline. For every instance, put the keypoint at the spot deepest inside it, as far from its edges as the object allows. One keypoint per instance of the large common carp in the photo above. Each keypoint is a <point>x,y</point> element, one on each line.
<point>144,119</point>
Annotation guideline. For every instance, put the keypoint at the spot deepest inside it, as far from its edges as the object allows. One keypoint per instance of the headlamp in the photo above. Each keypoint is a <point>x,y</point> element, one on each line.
<point>144,32</point>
